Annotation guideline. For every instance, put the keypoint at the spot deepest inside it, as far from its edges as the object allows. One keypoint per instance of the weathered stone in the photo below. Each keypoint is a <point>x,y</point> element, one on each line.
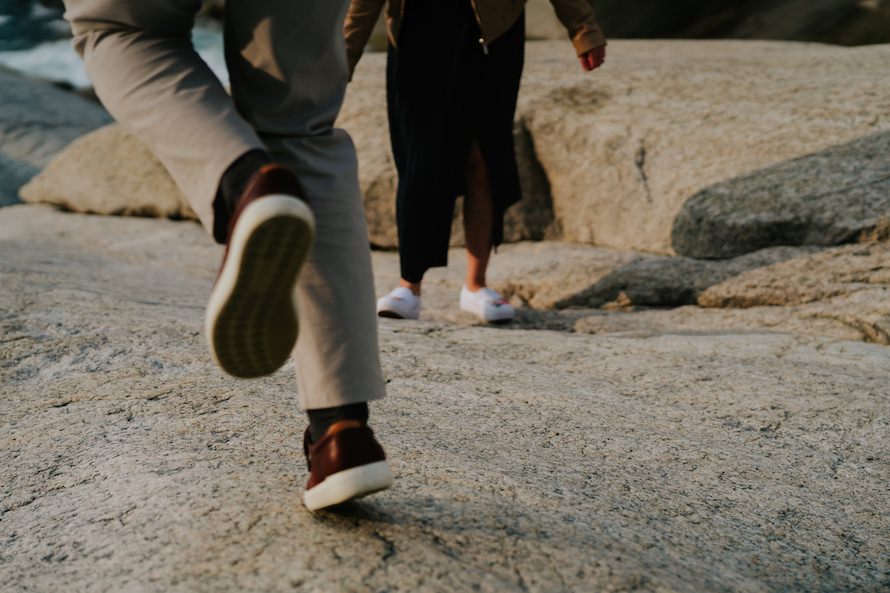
<point>626,146</point>
<point>835,196</point>
<point>697,321</point>
<point>37,120</point>
<point>847,285</point>
<point>364,116</point>
<point>865,311</point>
<point>805,279</point>
<point>526,461</point>
<point>541,21</point>
<point>109,172</point>
<point>658,281</point>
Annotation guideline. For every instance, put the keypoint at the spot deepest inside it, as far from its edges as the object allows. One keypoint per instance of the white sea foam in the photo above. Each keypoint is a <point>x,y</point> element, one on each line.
<point>55,60</point>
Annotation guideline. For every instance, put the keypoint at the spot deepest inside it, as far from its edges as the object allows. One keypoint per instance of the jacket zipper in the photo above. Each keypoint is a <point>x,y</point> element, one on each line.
<point>479,22</point>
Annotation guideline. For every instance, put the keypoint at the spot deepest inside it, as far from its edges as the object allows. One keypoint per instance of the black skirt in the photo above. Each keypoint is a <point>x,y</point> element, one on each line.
<point>445,91</point>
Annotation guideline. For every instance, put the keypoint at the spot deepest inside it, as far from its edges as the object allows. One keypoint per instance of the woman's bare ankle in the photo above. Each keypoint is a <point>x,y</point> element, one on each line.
<point>473,284</point>
<point>412,286</point>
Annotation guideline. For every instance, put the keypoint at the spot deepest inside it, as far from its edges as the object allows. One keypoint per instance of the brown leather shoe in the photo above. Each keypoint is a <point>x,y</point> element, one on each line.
<point>346,463</point>
<point>251,319</point>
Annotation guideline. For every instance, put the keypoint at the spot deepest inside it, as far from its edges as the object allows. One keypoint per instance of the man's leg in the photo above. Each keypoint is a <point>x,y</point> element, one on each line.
<point>140,59</point>
<point>145,70</point>
<point>287,64</point>
<point>289,74</point>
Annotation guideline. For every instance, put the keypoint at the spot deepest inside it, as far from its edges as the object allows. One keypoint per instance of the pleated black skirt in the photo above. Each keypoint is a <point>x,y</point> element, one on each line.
<point>445,91</point>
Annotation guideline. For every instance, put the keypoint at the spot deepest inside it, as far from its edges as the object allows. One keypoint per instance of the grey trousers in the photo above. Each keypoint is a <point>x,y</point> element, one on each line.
<point>288,72</point>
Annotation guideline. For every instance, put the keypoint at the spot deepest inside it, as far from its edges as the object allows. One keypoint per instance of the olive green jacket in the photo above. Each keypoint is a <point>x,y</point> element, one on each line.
<point>495,18</point>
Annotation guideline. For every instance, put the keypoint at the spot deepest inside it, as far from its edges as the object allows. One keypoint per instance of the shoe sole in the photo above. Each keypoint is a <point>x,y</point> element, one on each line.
<point>349,484</point>
<point>499,320</point>
<point>393,315</point>
<point>251,320</point>
<point>389,315</point>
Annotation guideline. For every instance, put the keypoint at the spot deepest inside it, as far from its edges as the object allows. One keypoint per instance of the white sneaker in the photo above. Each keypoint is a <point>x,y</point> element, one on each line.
<point>399,304</point>
<point>486,304</point>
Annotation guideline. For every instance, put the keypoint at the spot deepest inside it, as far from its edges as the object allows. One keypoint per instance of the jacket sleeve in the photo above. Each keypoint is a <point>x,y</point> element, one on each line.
<point>578,18</point>
<point>360,20</point>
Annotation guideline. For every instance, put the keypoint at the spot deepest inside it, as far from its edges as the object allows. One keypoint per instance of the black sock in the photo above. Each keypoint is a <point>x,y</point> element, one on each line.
<point>321,420</point>
<point>231,186</point>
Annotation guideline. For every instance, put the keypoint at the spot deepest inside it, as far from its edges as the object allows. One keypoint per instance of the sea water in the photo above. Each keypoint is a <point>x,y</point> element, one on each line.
<point>37,41</point>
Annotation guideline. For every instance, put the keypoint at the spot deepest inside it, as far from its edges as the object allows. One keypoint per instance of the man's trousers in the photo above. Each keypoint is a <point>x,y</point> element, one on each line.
<point>288,73</point>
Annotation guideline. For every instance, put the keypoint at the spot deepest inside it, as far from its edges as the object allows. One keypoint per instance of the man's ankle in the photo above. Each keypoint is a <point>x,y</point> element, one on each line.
<point>322,419</point>
<point>231,186</point>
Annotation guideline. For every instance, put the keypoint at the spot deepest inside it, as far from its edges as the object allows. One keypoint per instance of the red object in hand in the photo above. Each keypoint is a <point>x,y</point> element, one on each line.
<point>593,59</point>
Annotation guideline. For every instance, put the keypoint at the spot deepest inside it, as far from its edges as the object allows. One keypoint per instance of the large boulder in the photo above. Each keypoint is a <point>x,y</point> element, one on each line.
<point>109,172</point>
<point>37,120</point>
<point>625,147</point>
<point>835,196</point>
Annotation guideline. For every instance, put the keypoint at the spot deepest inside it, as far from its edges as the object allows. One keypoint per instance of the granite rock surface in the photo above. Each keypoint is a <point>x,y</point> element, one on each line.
<point>732,460</point>
<point>838,195</point>
<point>626,147</point>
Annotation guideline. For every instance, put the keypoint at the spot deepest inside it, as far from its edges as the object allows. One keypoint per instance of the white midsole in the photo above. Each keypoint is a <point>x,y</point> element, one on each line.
<point>257,213</point>
<point>348,484</point>
<point>502,314</point>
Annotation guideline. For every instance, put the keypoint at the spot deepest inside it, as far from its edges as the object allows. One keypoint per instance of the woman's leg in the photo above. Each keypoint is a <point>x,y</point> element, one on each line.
<point>479,226</point>
<point>478,219</point>
<point>412,286</point>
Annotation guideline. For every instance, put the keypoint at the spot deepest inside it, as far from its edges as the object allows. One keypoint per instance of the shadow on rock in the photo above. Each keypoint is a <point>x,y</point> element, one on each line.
<point>671,281</point>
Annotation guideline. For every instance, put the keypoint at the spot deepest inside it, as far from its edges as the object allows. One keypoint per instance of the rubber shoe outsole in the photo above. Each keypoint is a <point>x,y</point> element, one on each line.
<point>251,320</point>
<point>349,484</point>
<point>387,314</point>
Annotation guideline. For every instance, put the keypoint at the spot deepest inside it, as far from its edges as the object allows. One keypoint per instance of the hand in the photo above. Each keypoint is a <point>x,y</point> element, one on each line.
<point>593,59</point>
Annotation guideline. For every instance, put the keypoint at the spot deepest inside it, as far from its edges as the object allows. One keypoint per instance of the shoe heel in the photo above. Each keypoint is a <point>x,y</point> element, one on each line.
<point>349,484</point>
